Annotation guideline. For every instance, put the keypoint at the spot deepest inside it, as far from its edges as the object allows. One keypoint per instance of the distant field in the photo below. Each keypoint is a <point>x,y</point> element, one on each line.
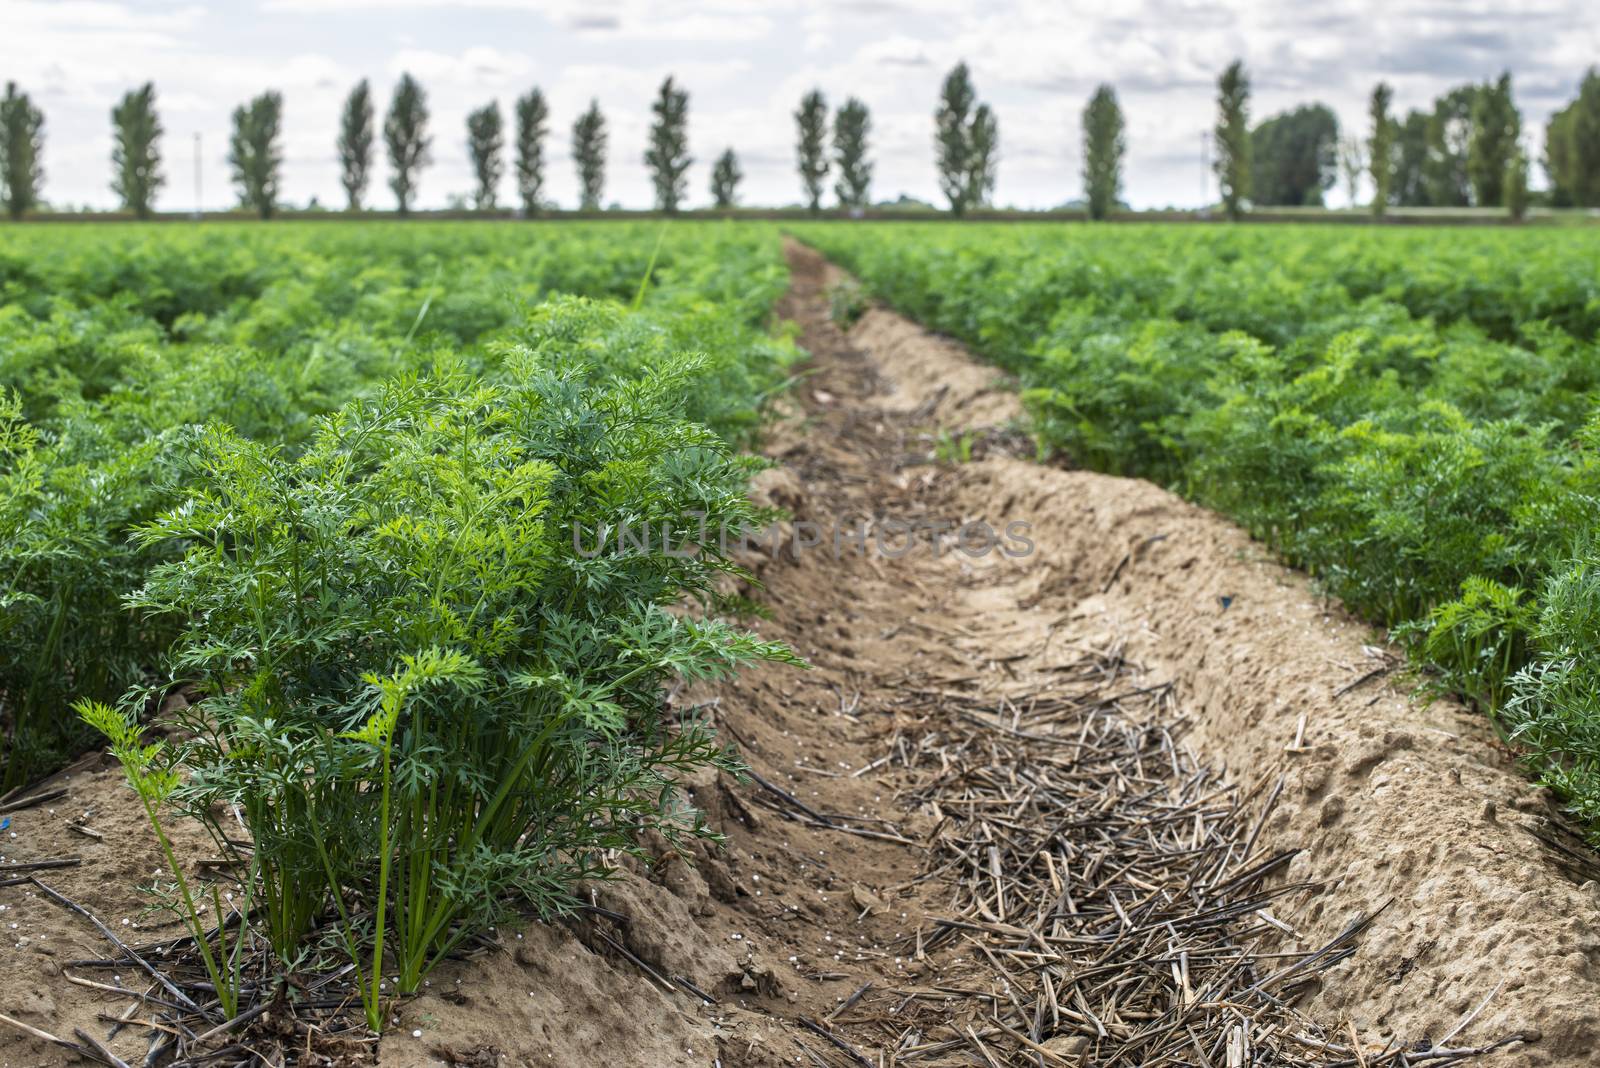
<point>914,212</point>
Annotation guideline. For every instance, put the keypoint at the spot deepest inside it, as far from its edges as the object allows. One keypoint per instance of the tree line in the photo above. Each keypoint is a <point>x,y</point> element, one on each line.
<point>1463,151</point>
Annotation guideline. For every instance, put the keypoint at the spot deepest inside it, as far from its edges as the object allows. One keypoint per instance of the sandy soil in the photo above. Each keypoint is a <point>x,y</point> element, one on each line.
<point>724,960</point>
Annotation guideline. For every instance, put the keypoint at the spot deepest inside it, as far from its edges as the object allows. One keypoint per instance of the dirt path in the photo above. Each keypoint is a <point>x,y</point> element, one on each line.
<point>821,927</point>
<point>1409,812</point>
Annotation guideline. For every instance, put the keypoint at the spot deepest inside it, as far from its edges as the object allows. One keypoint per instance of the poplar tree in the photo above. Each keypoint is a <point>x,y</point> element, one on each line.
<point>668,155</point>
<point>1380,148</point>
<point>1557,159</point>
<point>852,124</point>
<point>485,144</point>
<point>136,150</point>
<point>1104,144</point>
<point>725,178</point>
<point>21,152</point>
<point>1352,163</point>
<point>811,153</point>
<point>254,152</point>
<point>1572,147</point>
<point>405,134</point>
<point>1517,185</point>
<point>589,156</point>
<point>953,135</point>
<point>966,142</point>
<point>985,158</point>
<point>1585,141</point>
<point>355,144</point>
<point>1233,138</point>
<point>532,114</point>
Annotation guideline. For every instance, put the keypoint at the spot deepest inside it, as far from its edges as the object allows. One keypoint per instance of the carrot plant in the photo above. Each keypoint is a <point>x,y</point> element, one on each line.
<point>152,772</point>
<point>427,696</point>
<point>1480,638</point>
<point>1554,709</point>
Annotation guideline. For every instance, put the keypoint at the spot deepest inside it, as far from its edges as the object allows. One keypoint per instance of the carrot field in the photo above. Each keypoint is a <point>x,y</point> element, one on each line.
<point>325,605</point>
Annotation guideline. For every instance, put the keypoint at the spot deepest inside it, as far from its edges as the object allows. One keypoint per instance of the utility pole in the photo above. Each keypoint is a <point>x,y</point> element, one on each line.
<point>197,209</point>
<point>1205,170</point>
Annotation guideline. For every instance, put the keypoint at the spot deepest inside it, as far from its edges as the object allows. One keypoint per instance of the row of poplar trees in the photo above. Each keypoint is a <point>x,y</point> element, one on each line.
<point>410,149</point>
<point>255,152</point>
<point>1464,151</point>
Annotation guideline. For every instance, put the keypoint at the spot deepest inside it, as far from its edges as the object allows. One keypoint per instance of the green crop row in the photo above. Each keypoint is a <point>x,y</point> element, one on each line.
<point>116,342</point>
<point>1410,415</point>
<point>342,485</point>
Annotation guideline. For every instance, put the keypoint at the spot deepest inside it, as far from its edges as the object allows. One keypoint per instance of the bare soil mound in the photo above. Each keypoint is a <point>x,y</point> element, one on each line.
<point>881,876</point>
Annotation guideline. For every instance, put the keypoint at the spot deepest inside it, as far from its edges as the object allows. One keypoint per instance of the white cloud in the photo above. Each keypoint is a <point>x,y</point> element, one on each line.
<point>630,19</point>
<point>475,66</point>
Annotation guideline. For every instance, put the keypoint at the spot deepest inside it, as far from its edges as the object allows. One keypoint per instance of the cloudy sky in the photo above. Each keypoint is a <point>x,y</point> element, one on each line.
<point>745,64</point>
